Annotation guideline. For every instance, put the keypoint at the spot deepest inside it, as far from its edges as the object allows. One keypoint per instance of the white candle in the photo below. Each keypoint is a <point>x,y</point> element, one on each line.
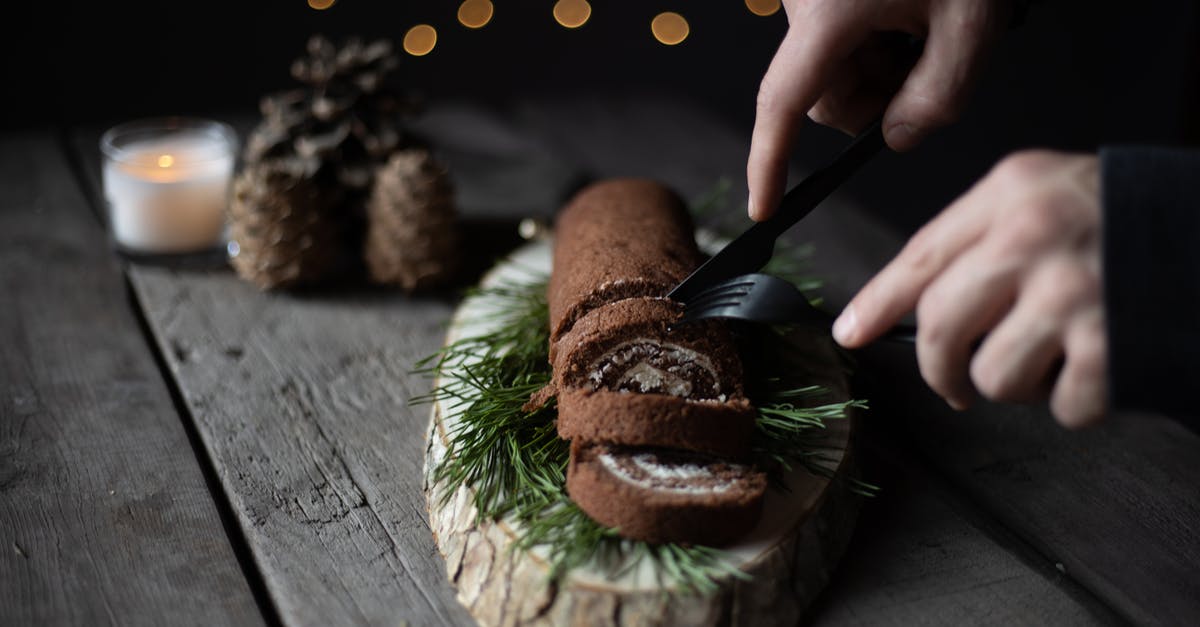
<point>167,184</point>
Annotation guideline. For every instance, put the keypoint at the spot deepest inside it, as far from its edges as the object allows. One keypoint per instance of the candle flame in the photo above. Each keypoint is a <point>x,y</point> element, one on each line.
<point>166,161</point>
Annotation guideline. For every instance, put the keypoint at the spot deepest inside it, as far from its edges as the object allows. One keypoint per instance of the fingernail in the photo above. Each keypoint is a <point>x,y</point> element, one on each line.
<point>845,325</point>
<point>750,207</point>
<point>903,134</point>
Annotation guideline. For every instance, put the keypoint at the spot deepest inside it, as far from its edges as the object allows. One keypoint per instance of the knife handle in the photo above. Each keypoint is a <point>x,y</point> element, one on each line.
<point>806,195</point>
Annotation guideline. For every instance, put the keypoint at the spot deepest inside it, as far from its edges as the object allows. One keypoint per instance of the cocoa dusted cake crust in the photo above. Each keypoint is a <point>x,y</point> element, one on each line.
<point>616,239</point>
<point>665,496</point>
<point>659,420</point>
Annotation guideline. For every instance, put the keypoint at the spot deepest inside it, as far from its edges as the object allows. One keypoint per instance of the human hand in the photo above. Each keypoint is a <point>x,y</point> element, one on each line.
<point>841,64</point>
<point>1016,261</point>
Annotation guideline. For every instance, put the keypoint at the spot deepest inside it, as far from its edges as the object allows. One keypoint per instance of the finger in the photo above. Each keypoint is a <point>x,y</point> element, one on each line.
<point>957,309</point>
<point>1080,396</point>
<point>960,33</point>
<point>1018,361</point>
<point>841,105</point>
<point>893,292</point>
<point>862,85</point>
<point>793,82</point>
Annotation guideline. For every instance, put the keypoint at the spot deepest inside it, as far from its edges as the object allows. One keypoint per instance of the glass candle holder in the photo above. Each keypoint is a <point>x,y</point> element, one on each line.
<point>167,183</point>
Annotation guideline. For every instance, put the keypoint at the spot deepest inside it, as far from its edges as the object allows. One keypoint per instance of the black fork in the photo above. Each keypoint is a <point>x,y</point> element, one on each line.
<point>767,299</point>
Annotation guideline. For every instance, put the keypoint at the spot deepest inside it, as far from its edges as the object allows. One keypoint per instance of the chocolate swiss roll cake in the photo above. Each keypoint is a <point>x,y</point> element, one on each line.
<point>621,373</point>
<point>657,495</point>
<point>656,412</point>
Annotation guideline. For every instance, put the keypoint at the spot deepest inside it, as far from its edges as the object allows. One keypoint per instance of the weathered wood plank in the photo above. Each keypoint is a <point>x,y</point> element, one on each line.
<point>691,150</point>
<point>923,555</point>
<point>105,517</point>
<point>302,400</point>
<point>303,404</point>
<point>1114,507</point>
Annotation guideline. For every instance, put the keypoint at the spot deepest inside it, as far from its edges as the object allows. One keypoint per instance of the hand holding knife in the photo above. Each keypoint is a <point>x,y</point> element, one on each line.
<point>751,250</point>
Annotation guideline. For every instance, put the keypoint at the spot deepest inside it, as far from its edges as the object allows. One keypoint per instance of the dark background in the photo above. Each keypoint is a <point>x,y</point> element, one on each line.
<point>1077,74</point>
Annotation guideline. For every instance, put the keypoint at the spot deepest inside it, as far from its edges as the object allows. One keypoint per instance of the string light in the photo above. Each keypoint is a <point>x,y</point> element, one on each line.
<point>321,5</point>
<point>475,13</point>
<point>669,28</point>
<point>572,13</point>
<point>763,7</point>
<point>420,40</point>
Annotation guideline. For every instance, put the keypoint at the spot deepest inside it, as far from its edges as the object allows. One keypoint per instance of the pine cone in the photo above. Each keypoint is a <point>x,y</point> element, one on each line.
<point>343,113</point>
<point>299,205</point>
<point>284,231</point>
<point>412,237</point>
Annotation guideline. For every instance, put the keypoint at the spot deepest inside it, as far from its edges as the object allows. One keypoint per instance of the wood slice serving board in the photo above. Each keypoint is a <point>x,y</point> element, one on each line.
<point>789,555</point>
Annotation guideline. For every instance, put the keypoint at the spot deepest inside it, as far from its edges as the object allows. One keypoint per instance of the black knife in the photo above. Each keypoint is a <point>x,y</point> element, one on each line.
<point>753,248</point>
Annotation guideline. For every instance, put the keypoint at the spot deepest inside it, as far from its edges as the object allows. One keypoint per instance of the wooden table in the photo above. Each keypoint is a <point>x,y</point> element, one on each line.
<point>177,447</point>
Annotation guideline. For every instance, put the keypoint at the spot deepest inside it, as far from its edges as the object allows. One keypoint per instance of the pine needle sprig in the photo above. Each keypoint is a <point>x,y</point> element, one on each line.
<point>511,458</point>
<point>793,413</point>
<point>792,430</point>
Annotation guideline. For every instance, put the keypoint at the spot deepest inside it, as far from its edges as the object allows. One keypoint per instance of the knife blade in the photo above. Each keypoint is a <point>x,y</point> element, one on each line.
<point>751,250</point>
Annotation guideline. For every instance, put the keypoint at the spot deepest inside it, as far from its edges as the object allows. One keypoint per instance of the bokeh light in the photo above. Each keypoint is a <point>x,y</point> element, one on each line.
<point>321,5</point>
<point>572,13</point>
<point>475,13</point>
<point>669,28</point>
<point>420,40</point>
<point>763,7</point>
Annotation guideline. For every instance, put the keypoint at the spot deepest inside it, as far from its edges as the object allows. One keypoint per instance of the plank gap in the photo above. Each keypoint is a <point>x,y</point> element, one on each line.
<point>233,530</point>
<point>94,199</point>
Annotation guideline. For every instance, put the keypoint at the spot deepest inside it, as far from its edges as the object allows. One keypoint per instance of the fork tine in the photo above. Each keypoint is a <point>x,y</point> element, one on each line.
<point>696,315</point>
<point>740,283</point>
<point>701,303</point>
<point>738,288</point>
<point>715,305</point>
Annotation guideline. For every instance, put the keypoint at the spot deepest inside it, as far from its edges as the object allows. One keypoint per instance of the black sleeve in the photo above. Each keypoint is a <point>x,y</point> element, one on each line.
<point>1151,205</point>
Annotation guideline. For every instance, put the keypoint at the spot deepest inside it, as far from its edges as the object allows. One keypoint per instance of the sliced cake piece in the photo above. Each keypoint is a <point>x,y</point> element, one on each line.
<point>660,495</point>
<point>624,376</point>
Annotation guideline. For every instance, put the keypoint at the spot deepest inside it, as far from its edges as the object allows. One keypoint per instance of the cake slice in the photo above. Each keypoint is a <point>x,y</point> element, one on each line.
<point>659,495</point>
<point>624,376</point>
